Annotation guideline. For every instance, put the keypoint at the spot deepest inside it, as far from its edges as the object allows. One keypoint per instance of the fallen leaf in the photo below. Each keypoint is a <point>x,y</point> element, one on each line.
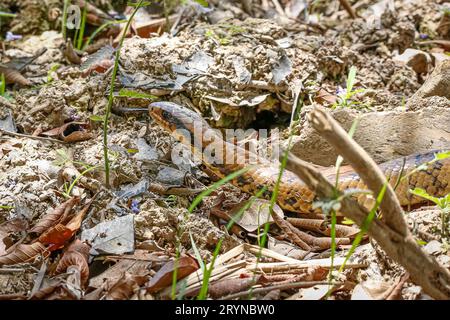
<point>70,132</point>
<point>228,286</point>
<point>125,287</point>
<point>57,215</point>
<point>58,235</point>
<point>370,290</point>
<point>71,54</point>
<point>8,227</point>
<point>23,253</point>
<point>323,97</point>
<point>14,76</point>
<point>77,255</point>
<point>314,293</point>
<point>117,236</point>
<point>163,278</point>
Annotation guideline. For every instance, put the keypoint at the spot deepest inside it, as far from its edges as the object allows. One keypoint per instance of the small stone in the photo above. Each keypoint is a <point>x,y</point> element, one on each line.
<point>433,247</point>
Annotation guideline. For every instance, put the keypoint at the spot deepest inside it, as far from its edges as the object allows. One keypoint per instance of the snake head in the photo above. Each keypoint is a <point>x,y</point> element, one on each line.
<point>172,116</point>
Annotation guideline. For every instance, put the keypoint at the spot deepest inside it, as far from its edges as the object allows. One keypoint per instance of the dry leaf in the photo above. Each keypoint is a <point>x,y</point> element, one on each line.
<point>77,255</point>
<point>125,287</point>
<point>323,97</point>
<point>14,76</point>
<point>163,278</point>
<point>321,226</point>
<point>8,227</point>
<point>71,54</point>
<point>70,132</point>
<point>23,253</point>
<point>228,286</point>
<point>58,235</point>
<point>56,216</point>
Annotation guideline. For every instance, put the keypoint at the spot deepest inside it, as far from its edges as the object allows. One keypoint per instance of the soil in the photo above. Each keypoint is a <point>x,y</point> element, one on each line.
<point>245,67</point>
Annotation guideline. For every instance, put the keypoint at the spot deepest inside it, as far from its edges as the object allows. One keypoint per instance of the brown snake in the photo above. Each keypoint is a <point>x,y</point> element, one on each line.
<point>293,194</point>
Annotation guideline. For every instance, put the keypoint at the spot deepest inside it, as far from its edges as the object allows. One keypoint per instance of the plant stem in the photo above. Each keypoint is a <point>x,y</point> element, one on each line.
<point>64,22</point>
<point>111,94</point>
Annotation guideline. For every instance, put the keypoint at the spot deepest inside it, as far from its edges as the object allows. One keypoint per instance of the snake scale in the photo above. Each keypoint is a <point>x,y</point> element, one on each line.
<point>293,194</point>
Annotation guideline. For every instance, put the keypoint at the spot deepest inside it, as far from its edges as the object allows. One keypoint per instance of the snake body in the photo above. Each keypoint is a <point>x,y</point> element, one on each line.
<point>293,194</point>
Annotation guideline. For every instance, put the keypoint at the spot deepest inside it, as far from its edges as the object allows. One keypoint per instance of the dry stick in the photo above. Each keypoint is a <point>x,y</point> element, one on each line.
<point>424,270</point>
<point>396,292</point>
<point>290,231</point>
<point>363,164</point>
<point>284,286</point>
<point>15,134</point>
<point>348,8</point>
<point>322,227</point>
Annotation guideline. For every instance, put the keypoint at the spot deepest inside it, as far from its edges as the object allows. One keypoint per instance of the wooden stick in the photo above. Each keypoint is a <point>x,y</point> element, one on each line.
<point>348,8</point>
<point>284,286</point>
<point>402,247</point>
<point>15,134</point>
<point>363,164</point>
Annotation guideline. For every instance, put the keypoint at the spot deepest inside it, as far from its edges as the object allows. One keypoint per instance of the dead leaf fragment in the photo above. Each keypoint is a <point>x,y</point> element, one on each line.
<point>163,278</point>
<point>70,132</point>
<point>228,286</point>
<point>56,216</point>
<point>13,76</point>
<point>23,253</point>
<point>77,255</point>
<point>58,235</point>
<point>125,287</point>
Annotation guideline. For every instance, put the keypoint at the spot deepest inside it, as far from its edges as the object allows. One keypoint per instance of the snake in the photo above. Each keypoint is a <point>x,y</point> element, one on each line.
<point>293,194</point>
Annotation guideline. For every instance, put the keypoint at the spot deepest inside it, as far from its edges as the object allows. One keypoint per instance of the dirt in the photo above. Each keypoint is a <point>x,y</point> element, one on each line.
<point>245,69</point>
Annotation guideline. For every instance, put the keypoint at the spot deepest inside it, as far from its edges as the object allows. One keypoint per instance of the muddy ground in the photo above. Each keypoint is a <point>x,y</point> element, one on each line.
<point>239,66</point>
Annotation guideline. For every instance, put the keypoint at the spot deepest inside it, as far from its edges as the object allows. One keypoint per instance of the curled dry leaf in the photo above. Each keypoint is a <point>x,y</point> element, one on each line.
<point>14,76</point>
<point>125,287</point>
<point>228,286</point>
<point>71,54</point>
<point>58,235</point>
<point>323,97</point>
<point>70,132</point>
<point>23,253</point>
<point>77,255</point>
<point>56,216</point>
<point>100,61</point>
<point>319,225</point>
<point>8,227</point>
<point>163,278</point>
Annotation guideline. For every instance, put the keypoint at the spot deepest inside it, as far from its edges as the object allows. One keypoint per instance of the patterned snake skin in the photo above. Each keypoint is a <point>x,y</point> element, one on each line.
<point>294,195</point>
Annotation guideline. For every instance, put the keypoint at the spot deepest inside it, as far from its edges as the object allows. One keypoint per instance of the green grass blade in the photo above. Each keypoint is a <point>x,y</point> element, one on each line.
<point>111,94</point>
<point>217,185</point>
<point>207,275</point>
<point>82,29</point>
<point>365,226</point>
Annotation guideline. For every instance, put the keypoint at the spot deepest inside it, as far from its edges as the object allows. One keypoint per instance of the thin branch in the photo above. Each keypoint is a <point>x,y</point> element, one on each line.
<point>15,134</point>
<point>284,286</point>
<point>363,164</point>
<point>424,269</point>
<point>348,8</point>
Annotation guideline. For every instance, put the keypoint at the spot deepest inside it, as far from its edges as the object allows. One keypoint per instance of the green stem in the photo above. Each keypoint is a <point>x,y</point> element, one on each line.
<point>111,95</point>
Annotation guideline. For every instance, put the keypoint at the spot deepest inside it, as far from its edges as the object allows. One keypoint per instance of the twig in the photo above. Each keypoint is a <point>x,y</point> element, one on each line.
<point>290,231</point>
<point>396,291</point>
<point>321,226</point>
<point>15,134</point>
<point>424,269</point>
<point>348,8</point>
<point>363,164</point>
<point>284,286</point>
